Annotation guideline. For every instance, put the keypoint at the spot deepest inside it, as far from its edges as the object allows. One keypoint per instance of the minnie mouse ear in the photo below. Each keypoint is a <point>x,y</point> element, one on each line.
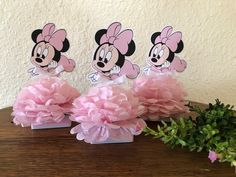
<point>99,34</point>
<point>131,49</point>
<point>180,47</point>
<point>66,45</point>
<point>35,34</point>
<point>154,36</point>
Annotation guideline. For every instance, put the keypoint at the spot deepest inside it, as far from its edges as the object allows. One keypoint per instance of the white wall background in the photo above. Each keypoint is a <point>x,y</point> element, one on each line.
<point>208,26</point>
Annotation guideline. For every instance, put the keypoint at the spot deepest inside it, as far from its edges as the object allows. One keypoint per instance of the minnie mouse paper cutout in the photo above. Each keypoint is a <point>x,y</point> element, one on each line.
<point>46,54</point>
<point>110,57</point>
<point>162,57</point>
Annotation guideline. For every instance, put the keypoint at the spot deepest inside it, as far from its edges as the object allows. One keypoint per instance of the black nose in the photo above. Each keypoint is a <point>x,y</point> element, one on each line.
<point>154,60</point>
<point>100,64</point>
<point>39,60</point>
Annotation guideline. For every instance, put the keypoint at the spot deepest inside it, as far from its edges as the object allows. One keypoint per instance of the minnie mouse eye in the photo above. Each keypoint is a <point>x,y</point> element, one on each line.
<point>108,56</point>
<point>102,52</point>
<point>39,50</point>
<point>161,53</point>
<point>45,53</point>
<point>155,52</point>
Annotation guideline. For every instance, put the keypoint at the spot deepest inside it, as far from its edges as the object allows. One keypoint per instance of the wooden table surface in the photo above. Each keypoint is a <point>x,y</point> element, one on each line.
<point>54,152</point>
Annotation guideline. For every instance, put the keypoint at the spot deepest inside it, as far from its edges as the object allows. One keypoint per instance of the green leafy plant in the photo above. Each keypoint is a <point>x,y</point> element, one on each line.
<point>213,130</point>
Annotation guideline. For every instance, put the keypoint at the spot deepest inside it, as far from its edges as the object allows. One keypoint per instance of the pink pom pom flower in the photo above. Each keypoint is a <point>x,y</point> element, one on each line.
<point>45,100</point>
<point>107,114</point>
<point>161,95</point>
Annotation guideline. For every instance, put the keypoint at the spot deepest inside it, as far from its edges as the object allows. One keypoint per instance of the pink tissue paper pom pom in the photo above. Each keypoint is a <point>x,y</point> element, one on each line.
<point>46,99</point>
<point>162,96</point>
<point>107,114</point>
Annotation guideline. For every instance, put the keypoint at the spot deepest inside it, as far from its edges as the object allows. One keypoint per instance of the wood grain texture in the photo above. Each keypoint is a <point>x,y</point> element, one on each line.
<point>56,153</point>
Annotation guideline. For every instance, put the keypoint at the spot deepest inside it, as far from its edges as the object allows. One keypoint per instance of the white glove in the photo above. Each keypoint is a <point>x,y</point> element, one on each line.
<point>146,70</point>
<point>166,64</point>
<point>33,71</point>
<point>115,70</point>
<point>93,77</point>
<point>53,64</point>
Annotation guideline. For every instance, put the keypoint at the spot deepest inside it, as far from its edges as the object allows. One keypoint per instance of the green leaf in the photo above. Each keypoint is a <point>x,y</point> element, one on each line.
<point>213,129</point>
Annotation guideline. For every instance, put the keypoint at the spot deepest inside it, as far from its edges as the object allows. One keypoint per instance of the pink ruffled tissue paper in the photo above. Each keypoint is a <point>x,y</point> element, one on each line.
<point>107,114</point>
<point>162,96</point>
<point>44,103</point>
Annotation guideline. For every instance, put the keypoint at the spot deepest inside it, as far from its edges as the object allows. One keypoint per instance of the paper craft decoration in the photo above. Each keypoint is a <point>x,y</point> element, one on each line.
<point>107,114</point>
<point>46,101</point>
<point>109,60</point>
<point>47,53</point>
<point>159,92</point>
<point>162,55</point>
<point>162,96</point>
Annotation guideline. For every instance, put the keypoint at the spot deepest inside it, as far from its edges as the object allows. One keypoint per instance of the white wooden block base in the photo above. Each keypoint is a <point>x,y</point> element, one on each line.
<point>66,122</point>
<point>124,139</point>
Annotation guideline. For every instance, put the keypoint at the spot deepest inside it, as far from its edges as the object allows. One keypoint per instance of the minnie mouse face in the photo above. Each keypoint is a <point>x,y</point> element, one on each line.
<point>44,53</point>
<point>160,54</point>
<point>107,56</point>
